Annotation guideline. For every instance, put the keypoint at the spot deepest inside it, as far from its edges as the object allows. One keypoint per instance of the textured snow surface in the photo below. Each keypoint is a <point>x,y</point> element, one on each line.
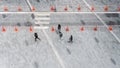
<point>13,5</point>
<point>44,5</point>
<point>90,49</point>
<point>19,50</point>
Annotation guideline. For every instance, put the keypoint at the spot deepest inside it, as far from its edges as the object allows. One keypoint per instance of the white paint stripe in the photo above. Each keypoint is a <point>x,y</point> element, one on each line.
<point>39,22</point>
<point>42,14</point>
<point>54,49</point>
<point>102,21</point>
<point>41,27</point>
<point>56,12</point>
<point>29,4</point>
<point>42,18</point>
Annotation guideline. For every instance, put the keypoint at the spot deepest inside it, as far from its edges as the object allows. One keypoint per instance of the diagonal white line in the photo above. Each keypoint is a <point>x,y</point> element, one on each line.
<point>54,49</point>
<point>102,21</point>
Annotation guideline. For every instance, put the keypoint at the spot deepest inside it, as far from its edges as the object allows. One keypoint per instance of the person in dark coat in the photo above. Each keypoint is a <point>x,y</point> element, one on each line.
<point>36,37</point>
<point>59,27</point>
<point>38,0</point>
<point>70,39</point>
<point>60,35</point>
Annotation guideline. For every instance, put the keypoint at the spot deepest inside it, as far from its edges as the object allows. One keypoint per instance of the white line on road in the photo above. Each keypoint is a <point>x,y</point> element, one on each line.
<point>39,22</point>
<point>57,12</point>
<point>54,49</point>
<point>41,27</point>
<point>42,18</point>
<point>29,4</point>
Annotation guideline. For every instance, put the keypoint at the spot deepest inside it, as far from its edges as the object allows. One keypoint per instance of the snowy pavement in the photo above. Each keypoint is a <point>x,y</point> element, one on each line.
<point>94,49</point>
<point>82,19</point>
<point>99,5</point>
<point>72,6</point>
<point>16,20</point>
<point>19,50</point>
<point>13,5</point>
<point>90,48</point>
<point>112,21</point>
<point>45,5</point>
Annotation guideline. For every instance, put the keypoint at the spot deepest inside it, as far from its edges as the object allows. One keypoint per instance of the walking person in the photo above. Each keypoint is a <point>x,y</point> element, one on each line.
<point>58,29</point>
<point>70,39</point>
<point>36,37</point>
<point>60,35</point>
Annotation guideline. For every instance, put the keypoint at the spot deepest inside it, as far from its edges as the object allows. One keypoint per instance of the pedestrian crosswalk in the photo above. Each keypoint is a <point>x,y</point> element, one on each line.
<point>42,20</point>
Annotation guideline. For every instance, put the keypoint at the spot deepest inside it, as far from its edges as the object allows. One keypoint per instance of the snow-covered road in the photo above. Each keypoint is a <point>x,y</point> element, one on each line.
<point>93,49</point>
<point>13,5</point>
<point>19,50</point>
<point>90,48</point>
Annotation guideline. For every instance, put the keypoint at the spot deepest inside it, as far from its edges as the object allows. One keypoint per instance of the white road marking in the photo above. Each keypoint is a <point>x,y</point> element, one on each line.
<point>40,27</point>
<point>56,12</point>
<point>42,18</point>
<point>42,14</point>
<point>29,4</point>
<point>54,49</point>
<point>39,22</point>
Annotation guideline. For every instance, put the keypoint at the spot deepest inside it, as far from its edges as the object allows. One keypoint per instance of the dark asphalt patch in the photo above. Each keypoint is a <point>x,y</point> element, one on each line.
<point>33,16</point>
<point>18,24</point>
<point>26,42</point>
<point>36,65</point>
<point>96,40</point>
<point>69,52</point>
<point>4,15</point>
<point>113,61</point>
<point>83,23</point>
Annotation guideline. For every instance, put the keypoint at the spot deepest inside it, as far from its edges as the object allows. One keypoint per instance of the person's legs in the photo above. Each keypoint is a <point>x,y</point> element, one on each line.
<point>57,31</point>
<point>70,41</point>
<point>35,39</point>
<point>39,38</point>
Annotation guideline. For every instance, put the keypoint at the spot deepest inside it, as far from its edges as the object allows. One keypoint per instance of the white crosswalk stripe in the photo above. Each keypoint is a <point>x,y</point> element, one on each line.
<point>39,22</point>
<point>41,27</point>
<point>42,14</point>
<point>42,19</point>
